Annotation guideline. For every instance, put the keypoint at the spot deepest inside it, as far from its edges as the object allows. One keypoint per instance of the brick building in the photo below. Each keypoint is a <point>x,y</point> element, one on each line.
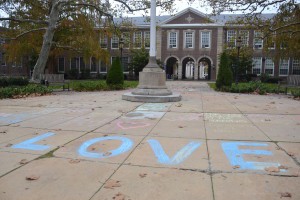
<point>188,43</point>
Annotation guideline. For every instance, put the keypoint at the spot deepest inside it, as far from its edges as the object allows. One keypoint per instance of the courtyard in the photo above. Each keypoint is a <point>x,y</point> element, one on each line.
<point>95,146</point>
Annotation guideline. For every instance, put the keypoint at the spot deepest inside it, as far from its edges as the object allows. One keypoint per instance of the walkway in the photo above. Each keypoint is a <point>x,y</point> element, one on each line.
<point>94,146</point>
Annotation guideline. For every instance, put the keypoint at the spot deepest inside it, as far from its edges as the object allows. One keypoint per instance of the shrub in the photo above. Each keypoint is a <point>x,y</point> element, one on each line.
<point>295,93</point>
<point>85,74</point>
<point>115,74</point>
<point>13,92</point>
<point>225,76</point>
<point>73,74</point>
<point>12,81</point>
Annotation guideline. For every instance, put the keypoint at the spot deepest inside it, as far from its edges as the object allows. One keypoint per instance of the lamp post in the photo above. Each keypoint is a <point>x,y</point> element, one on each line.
<point>121,44</point>
<point>238,46</point>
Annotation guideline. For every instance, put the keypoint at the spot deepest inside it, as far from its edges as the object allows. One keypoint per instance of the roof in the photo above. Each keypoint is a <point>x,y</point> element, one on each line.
<point>222,19</point>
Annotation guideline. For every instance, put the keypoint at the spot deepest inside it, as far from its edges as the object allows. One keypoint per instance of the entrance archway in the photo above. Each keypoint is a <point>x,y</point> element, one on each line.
<point>204,72</point>
<point>188,66</point>
<point>171,68</point>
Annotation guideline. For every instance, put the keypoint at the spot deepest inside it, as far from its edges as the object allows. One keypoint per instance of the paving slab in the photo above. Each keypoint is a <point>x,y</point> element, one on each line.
<point>217,103</point>
<point>125,126</point>
<point>234,131</point>
<point>188,106</point>
<point>87,122</point>
<point>170,152</point>
<point>183,125</point>
<point>79,182</point>
<point>110,148</point>
<point>145,183</point>
<point>158,107</point>
<point>292,149</point>
<point>39,142</point>
<point>10,161</point>
<point>8,133</point>
<point>255,186</point>
<point>251,157</point>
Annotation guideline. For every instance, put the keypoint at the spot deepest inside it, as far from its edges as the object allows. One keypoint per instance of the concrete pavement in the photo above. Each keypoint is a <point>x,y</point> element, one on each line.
<point>95,146</point>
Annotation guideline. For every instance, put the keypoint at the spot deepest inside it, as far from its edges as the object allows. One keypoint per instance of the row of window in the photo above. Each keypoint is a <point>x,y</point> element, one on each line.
<point>140,39</point>
<point>258,42</point>
<point>78,63</point>
<point>13,64</point>
<point>189,39</point>
<point>269,66</point>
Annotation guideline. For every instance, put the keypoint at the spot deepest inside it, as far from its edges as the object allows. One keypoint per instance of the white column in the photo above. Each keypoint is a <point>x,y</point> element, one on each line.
<point>153,29</point>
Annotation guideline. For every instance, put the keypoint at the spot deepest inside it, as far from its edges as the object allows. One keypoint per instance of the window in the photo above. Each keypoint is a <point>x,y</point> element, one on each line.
<point>189,39</point>
<point>258,41</point>
<point>17,63</point>
<point>284,67</point>
<point>296,66</point>
<point>147,39</point>
<point>126,40</point>
<point>103,67</point>
<point>103,42</point>
<point>137,39</point>
<point>205,39</point>
<point>93,65</point>
<point>257,65</point>
<point>231,35</point>
<point>269,66</point>
<point>271,41</point>
<point>125,64</point>
<point>115,42</point>
<point>61,64</point>
<point>172,39</point>
<point>77,63</point>
<point>2,59</point>
<point>244,37</point>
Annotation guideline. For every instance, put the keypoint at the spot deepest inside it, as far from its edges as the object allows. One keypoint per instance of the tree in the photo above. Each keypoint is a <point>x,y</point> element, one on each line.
<point>243,64</point>
<point>225,76</point>
<point>45,27</point>
<point>282,28</point>
<point>115,75</point>
<point>139,60</point>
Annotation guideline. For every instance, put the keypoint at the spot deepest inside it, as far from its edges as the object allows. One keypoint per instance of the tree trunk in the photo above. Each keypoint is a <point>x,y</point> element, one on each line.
<point>40,65</point>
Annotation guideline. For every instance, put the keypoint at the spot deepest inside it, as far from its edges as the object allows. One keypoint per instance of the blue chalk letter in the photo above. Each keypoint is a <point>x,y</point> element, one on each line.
<point>235,155</point>
<point>28,144</point>
<point>125,146</point>
<point>178,157</point>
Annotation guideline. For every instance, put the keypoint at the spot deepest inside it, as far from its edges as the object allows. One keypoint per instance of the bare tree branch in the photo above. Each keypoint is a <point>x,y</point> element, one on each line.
<point>23,20</point>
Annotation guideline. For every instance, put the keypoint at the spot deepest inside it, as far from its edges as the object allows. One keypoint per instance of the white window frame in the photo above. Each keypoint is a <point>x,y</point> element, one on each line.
<point>91,58</point>
<point>231,38</point>
<point>126,39</point>
<point>192,39</point>
<point>63,64</point>
<point>147,37</point>
<point>284,64</point>
<point>201,39</point>
<point>100,65</point>
<point>114,40</point>
<point>257,64</point>
<point>137,39</point>
<point>258,42</point>
<point>104,40</point>
<point>296,66</point>
<point>173,46</point>
<point>244,34</point>
<point>269,65</point>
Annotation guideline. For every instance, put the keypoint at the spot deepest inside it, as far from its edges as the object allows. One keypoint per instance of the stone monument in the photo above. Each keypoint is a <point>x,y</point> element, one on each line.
<point>152,80</point>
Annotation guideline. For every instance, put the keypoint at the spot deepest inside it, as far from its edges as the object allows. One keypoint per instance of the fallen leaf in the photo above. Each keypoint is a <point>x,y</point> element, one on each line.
<point>32,177</point>
<point>272,102</point>
<point>4,132</point>
<point>93,108</point>
<point>285,194</point>
<point>267,120</point>
<point>236,167</point>
<point>142,175</point>
<point>278,148</point>
<point>93,148</point>
<point>272,169</point>
<point>282,167</point>
<point>180,126</point>
<point>290,153</point>
<point>119,196</point>
<point>74,161</point>
<point>107,153</point>
<point>8,145</point>
<point>111,184</point>
<point>23,161</point>
<point>178,105</point>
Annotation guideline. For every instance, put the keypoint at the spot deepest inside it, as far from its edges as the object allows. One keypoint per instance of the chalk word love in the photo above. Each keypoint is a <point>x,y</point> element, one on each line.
<point>231,149</point>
